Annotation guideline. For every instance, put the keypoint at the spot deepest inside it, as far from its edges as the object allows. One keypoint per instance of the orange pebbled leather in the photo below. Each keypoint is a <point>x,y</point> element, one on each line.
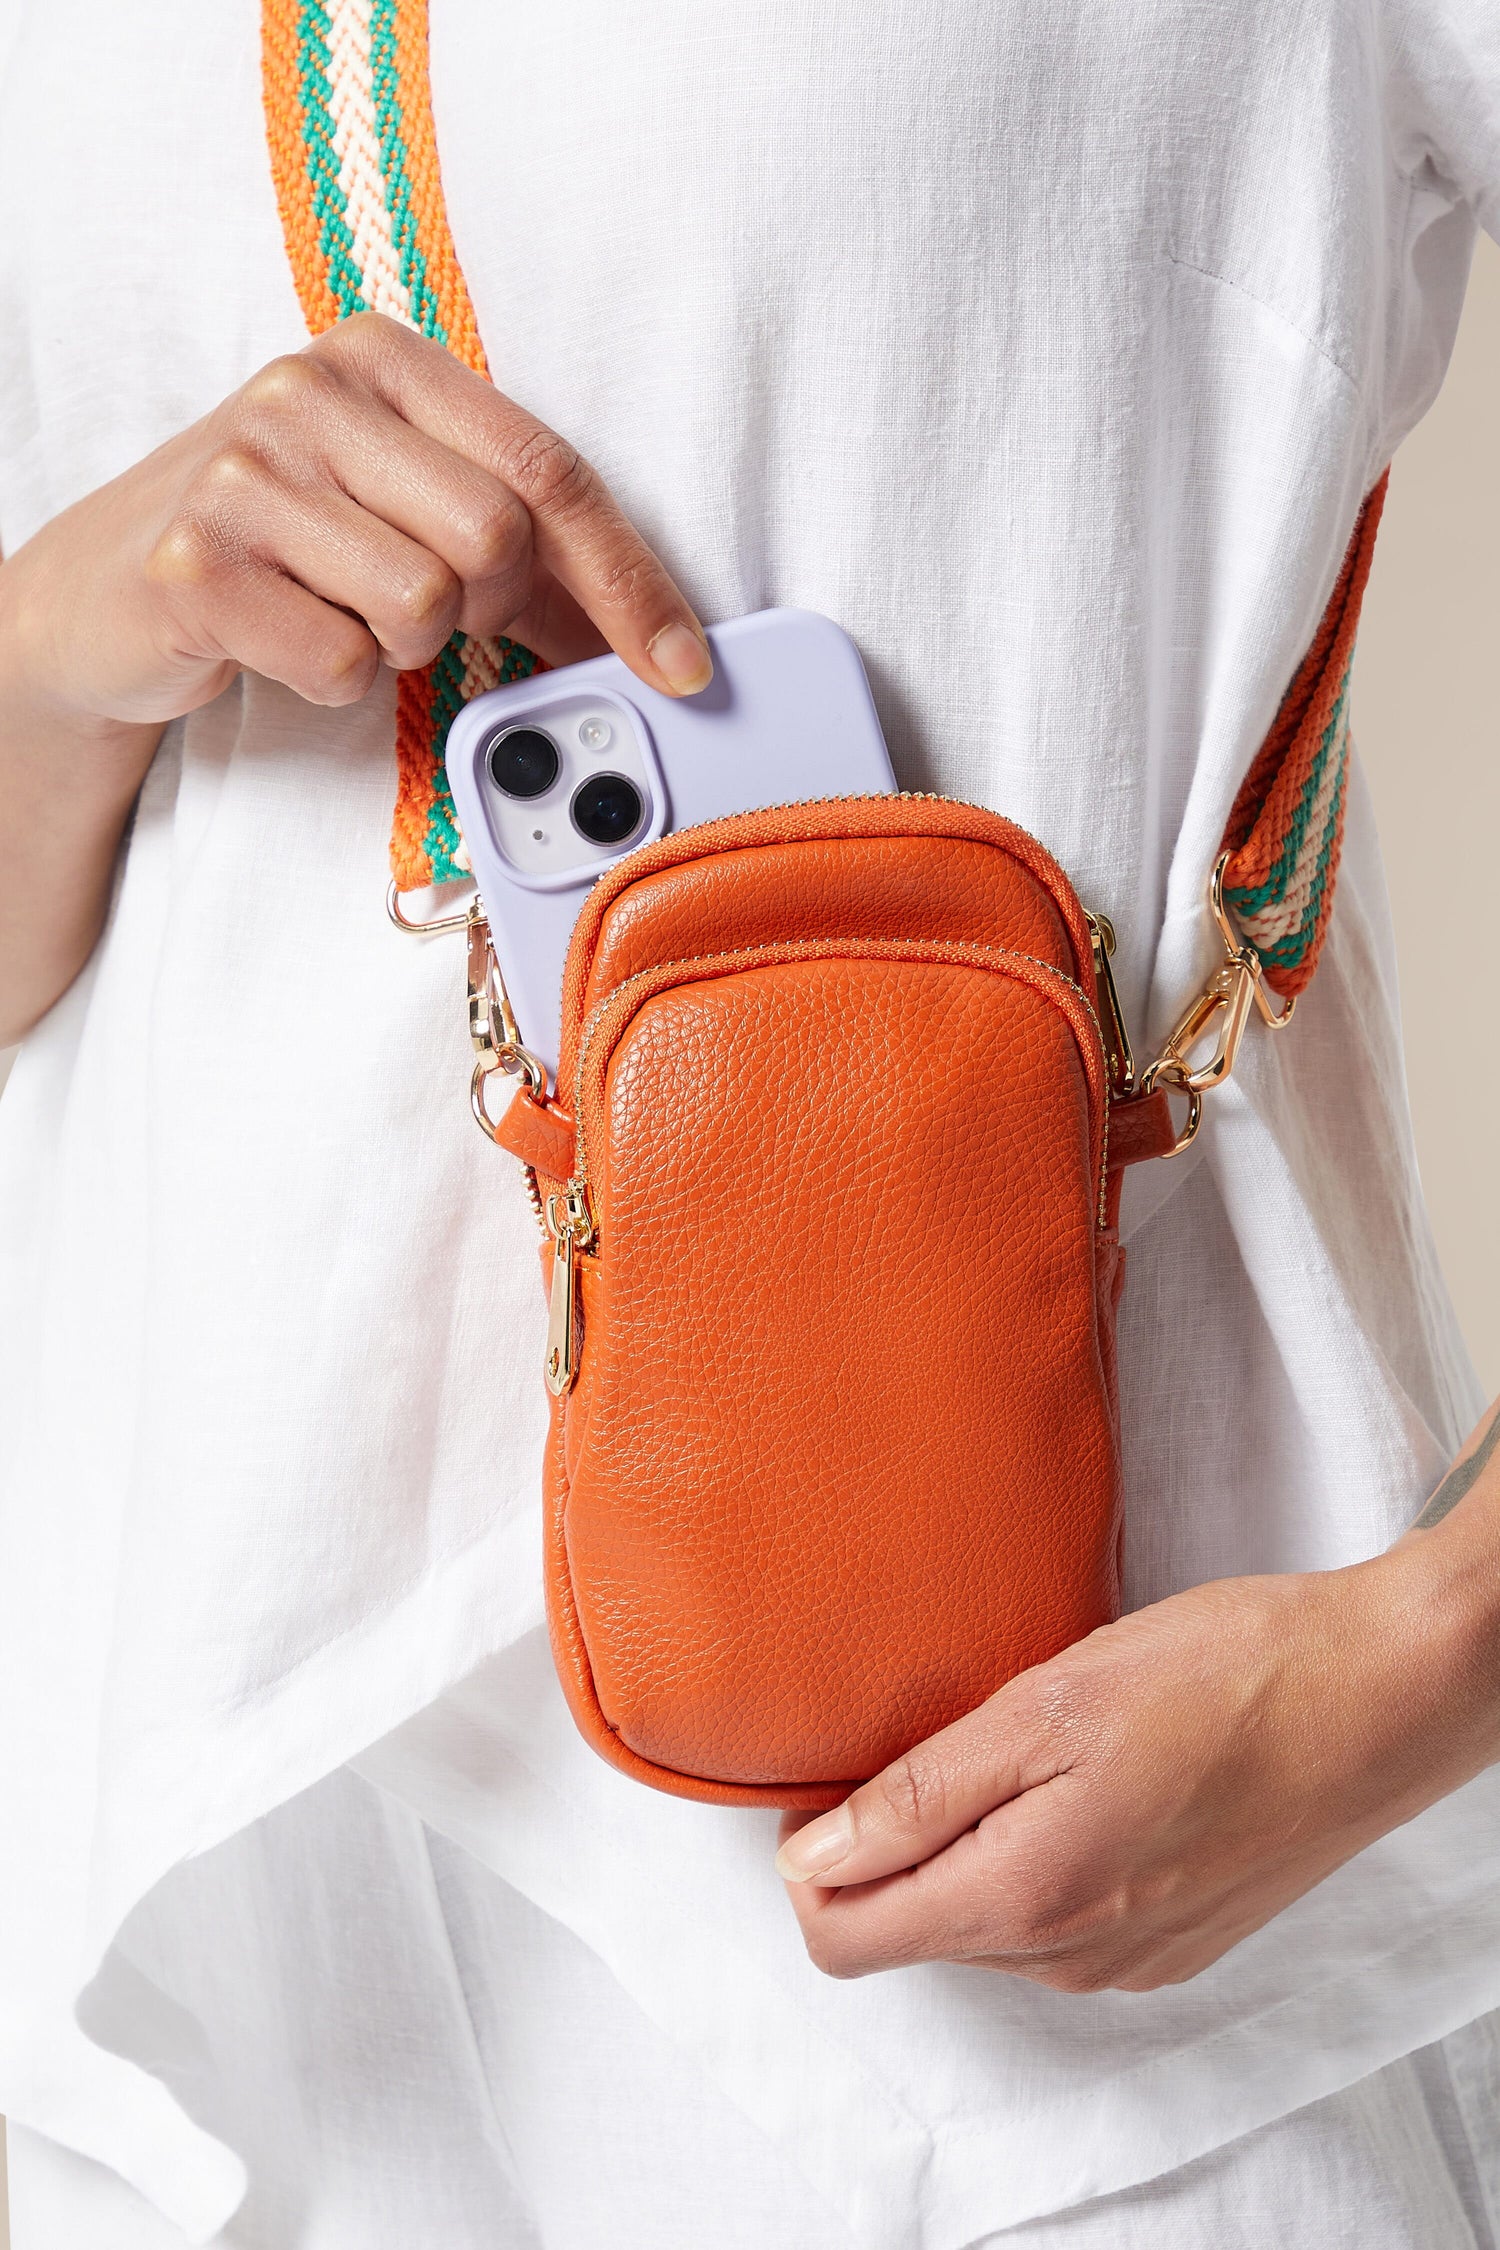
<point>542,1135</point>
<point>841,1455</point>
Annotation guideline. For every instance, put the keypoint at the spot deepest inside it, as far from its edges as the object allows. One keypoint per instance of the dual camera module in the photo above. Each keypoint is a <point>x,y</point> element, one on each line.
<point>607,808</point>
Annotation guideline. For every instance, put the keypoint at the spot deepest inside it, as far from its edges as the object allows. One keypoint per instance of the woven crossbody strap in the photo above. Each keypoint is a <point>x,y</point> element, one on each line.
<point>349,121</point>
<point>1287,826</point>
<point>354,155</point>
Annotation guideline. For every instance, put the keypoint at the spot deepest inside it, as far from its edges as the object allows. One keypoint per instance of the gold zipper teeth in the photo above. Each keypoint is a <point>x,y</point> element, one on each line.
<point>739,952</point>
<point>846,797</point>
<point>860,797</point>
<point>857,797</point>
<point>803,804</point>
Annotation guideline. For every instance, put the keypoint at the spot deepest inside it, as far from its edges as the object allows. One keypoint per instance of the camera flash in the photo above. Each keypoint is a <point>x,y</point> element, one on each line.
<point>595,733</point>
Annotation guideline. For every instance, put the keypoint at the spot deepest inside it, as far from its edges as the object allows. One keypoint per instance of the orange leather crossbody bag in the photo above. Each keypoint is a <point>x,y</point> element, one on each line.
<point>831,1177</point>
<point>831,1183</point>
<point>833,1272</point>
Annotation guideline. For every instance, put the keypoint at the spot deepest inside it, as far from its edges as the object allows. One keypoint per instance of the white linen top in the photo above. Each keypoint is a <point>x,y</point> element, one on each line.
<point>1050,349</point>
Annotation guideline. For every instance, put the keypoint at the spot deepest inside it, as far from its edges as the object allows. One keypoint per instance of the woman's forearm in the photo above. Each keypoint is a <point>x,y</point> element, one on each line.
<point>67,783</point>
<point>1451,1558</point>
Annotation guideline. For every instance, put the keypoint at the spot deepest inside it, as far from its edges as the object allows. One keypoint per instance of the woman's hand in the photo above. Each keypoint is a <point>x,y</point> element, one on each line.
<point>357,502</point>
<point>1124,1814</point>
<point>352,505</point>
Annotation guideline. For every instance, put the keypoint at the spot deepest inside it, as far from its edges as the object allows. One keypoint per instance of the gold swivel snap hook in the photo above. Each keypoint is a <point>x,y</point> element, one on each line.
<point>1222,1008</point>
<point>492,1024</point>
<point>493,1029</point>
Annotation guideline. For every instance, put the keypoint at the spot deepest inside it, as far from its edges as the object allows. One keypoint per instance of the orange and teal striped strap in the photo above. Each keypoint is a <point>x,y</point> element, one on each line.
<point>1287,827</point>
<point>349,117</point>
<point>354,156</point>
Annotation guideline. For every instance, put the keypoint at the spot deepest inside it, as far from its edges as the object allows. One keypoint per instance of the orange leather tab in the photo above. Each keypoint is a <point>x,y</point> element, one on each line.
<point>540,1135</point>
<point>1141,1129</point>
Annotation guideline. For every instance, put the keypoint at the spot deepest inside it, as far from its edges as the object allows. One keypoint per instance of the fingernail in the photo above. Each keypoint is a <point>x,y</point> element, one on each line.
<point>817,1847</point>
<point>682,659</point>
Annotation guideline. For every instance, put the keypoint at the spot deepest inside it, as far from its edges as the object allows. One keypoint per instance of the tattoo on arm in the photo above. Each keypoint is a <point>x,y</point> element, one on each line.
<point>1460,1477</point>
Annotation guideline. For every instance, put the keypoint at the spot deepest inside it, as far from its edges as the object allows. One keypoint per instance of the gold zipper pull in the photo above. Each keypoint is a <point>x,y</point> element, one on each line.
<point>1102,931</point>
<point>560,1321</point>
<point>571,1225</point>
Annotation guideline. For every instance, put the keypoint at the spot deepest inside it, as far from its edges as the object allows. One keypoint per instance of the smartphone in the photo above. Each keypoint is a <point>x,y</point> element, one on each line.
<point>556,778</point>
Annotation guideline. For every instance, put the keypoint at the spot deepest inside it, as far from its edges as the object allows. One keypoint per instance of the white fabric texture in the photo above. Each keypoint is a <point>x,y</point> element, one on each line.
<point>519,2100</point>
<point>1051,352</point>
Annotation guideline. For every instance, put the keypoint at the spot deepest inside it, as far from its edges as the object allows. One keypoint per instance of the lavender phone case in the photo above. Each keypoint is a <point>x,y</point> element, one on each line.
<point>788,715</point>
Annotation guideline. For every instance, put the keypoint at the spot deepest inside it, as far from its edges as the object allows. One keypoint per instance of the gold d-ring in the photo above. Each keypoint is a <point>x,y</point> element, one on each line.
<point>1169,1073</point>
<point>516,1062</point>
<point>402,921</point>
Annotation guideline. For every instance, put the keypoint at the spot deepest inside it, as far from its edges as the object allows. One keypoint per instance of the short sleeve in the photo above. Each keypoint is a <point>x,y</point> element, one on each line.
<point>1444,93</point>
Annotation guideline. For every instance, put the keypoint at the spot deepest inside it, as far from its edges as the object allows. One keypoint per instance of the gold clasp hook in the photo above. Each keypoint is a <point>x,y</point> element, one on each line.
<point>1236,986</point>
<point>1228,996</point>
<point>492,1024</point>
<point>493,1029</point>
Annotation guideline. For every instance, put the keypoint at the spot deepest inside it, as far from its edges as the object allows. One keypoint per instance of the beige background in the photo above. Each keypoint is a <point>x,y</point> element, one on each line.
<point>1427,720</point>
<point>1426,714</point>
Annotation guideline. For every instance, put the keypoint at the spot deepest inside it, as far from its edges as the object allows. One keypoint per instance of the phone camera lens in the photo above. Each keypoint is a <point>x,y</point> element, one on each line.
<point>607,809</point>
<point>524,762</point>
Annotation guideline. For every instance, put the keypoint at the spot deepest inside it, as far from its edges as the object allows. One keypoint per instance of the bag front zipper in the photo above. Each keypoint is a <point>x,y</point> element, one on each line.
<point>569,1216</point>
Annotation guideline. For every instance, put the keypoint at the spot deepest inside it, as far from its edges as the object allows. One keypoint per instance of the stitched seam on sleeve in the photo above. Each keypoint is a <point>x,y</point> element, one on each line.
<point>1206,273</point>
